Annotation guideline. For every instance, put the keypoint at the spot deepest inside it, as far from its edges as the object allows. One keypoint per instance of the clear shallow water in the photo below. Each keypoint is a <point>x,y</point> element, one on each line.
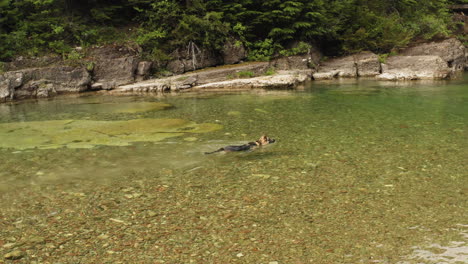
<point>362,172</point>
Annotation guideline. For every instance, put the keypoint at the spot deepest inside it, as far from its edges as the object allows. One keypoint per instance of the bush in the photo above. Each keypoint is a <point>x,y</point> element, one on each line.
<point>265,27</point>
<point>302,48</point>
<point>261,50</point>
<point>379,34</point>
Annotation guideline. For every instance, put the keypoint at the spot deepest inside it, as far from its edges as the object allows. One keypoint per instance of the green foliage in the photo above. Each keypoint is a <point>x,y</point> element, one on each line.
<point>386,34</point>
<point>152,38</point>
<point>270,71</point>
<point>385,25</point>
<point>432,26</point>
<point>74,58</point>
<point>240,31</point>
<point>74,55</point>
<point>463,39</point>
<point>28,26</point>
<point>261,50</point>
<point>265,27</point>
<point>383,57</point>
<point>301,48</point>
<point>90,66</point>
<point>245,74</point>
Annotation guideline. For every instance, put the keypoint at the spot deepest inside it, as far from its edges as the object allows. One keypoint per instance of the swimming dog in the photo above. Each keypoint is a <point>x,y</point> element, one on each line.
<point>262,141</point>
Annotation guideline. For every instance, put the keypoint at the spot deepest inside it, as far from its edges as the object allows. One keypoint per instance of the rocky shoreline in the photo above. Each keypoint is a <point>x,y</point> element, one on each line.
<point>115,69</point>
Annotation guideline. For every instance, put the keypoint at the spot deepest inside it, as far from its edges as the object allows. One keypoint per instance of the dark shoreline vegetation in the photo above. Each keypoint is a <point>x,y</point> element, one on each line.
<point>265,28</point>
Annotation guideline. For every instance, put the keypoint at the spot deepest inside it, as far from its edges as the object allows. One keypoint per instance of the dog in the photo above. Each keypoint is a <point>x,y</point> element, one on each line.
<point>262,141</point>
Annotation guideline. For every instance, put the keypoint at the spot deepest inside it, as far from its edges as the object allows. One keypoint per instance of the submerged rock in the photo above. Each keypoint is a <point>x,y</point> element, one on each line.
<point>14,255</point>
<point>132,108</point>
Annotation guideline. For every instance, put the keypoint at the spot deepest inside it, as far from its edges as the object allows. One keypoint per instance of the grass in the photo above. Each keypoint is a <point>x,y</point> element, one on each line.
<point>270,71</point>
<point>245,74</point>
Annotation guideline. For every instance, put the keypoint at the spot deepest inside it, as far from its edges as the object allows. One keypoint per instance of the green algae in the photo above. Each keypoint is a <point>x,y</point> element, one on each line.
<point>137,107</point>
<point>88,133</point>
<point>234,113</point>
<point>95,106</point>
<point>123,107</point>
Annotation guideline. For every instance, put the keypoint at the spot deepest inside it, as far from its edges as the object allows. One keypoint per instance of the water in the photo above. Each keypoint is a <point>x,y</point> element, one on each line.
<point>362,172</point>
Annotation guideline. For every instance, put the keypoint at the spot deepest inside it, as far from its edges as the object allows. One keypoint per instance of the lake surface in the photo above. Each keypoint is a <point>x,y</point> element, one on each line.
<point>362,172</point>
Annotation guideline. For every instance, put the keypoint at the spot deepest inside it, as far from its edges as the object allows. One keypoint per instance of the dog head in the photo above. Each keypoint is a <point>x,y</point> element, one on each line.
<point>264,140</point>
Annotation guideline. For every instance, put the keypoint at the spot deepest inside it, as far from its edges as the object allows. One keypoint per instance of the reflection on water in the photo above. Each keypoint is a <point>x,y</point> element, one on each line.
<point>453,252</point>
<point>362,172</point>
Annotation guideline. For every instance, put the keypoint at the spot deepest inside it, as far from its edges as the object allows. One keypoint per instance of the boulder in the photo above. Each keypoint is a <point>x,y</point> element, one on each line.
<point>224,73</point>
<point>452,51</point>
<point>45,90</point>
<point>337,67</point>
<point>299,62</point>
<point>9,81</point>
<point>233,52</point>
<point>114,65</point>
<point>281,63</point>
<point>203,59</point>
<point>43,82</point>
<point>176,66</point>
<point>286,79</point>
<point>414,68</point>
<point>20,63</point>
<point>367,64</point>
<point>364,64</point>
<point>117,71</point>
<point>143,70</point>
<point>185,61</point>
<point>191,80</point>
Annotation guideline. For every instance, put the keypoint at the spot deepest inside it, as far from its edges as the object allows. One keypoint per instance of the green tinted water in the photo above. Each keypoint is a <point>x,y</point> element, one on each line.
<point>362,172</point>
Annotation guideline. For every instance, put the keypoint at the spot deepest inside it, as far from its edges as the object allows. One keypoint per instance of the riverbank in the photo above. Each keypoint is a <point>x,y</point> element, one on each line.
<point>114,69</point>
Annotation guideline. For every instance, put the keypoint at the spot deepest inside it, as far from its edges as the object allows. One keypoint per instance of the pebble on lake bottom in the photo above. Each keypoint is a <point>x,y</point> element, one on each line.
<point>14,255</point>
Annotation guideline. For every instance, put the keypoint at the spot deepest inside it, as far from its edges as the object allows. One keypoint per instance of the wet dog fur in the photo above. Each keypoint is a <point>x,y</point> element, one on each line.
<point>262,141</point>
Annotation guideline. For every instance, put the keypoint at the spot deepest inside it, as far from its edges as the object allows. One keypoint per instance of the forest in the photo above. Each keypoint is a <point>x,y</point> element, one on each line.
<point>267,28</point>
